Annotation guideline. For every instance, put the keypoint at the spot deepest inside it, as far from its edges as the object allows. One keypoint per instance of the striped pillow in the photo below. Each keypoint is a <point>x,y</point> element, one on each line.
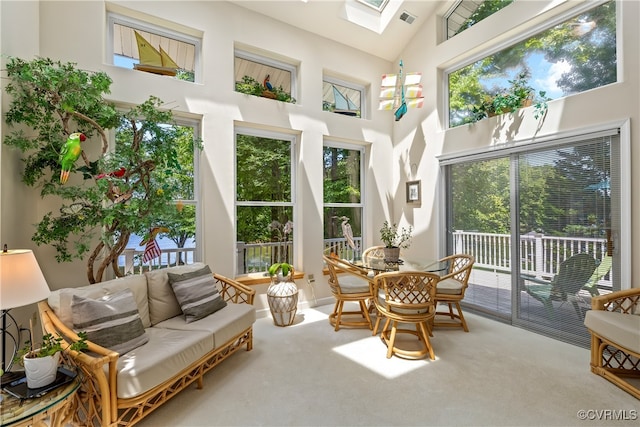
<point>112,321</point>
<point>196,293</point>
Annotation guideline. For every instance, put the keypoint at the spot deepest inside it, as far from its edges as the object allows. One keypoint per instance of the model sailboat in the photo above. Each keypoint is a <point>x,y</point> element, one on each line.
<point>343,104</point>
<point>153,60</point>
<point>398,95</point>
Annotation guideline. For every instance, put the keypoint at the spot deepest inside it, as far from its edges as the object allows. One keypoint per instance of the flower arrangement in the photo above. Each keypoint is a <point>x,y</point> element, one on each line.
<point>393,237</point>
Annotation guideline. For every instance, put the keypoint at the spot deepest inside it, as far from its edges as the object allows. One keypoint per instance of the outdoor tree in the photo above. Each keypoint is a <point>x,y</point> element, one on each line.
<point>114,190</point>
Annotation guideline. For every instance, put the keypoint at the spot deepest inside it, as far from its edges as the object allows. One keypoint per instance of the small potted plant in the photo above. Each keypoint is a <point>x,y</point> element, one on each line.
<point>41,364</point>
<point>394,239</point>
<point>282,294</point>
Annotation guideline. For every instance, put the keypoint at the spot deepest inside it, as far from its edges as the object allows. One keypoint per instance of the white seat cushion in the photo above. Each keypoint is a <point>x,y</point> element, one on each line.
<point>622,329</point>
<point>222,325</point>
<point>449,286</point>
<point>350,284</point>
<point>167,353</point>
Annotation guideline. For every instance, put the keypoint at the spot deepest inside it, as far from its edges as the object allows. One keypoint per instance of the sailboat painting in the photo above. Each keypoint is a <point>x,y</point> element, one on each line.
<point>398,95</point>
<point>343,104</point>
<point>153,60</point>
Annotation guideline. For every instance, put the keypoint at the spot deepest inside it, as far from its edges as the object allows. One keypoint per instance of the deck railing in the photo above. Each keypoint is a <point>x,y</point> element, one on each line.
<point>540,255</point>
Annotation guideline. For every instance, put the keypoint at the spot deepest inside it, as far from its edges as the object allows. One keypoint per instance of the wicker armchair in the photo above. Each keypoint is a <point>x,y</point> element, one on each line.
<point>614,324</point>
<point>406,297</point>
<point>352,286</point>
<point>451,289</point>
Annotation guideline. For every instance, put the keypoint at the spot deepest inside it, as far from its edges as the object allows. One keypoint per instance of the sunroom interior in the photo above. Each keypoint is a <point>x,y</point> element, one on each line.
<point>330,59</point>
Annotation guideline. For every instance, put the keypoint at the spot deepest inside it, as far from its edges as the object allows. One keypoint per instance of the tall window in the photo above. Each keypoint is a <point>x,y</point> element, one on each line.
<point>177,223</point>
<point>565,200</point>
<point>574,56</point>
<point>144,47</point>
<point>341,97</point>
<point>265,226</point>
<point>343,206</point>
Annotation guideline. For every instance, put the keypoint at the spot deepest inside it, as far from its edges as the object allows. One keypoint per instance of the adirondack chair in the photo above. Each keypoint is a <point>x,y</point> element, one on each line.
<point>573,274</point>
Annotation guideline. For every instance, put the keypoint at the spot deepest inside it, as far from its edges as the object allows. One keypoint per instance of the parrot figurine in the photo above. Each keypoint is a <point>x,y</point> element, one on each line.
<point>70,153</point>
<point>267,84</point>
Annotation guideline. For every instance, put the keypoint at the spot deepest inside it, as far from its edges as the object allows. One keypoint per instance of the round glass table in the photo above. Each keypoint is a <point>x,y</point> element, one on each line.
<point>58,405</point>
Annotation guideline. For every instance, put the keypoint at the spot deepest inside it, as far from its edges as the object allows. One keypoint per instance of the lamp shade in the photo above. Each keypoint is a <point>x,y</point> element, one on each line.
<point>21,280</point>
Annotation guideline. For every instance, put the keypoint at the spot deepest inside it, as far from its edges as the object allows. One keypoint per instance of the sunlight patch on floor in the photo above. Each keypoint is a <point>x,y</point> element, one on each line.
<point>372,354</point>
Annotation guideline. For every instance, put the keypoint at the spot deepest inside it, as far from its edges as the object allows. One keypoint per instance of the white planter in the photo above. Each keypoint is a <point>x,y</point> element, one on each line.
<point>41,371</point>
<point>282,296</point>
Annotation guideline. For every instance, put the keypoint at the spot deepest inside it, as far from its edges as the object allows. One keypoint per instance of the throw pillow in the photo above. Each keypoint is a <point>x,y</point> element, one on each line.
<point>197,293</point>
<point>112,321</point>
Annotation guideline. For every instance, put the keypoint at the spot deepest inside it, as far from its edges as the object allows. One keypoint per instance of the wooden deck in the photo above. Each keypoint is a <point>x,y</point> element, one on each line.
<point>490,293</point>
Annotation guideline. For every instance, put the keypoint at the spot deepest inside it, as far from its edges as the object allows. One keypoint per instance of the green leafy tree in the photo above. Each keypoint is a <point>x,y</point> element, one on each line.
<point>122,191</point>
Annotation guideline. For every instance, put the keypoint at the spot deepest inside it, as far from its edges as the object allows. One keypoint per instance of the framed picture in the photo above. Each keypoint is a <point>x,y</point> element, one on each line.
<point>413,192</point>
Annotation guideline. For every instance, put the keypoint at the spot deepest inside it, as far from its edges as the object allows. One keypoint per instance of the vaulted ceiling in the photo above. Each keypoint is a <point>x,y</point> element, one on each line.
<point>351,23</point>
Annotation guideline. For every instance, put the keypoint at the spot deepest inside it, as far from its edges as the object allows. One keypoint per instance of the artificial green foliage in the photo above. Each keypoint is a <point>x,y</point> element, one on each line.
<point>280,266</point>
<point>113,192</point>
<point>519,94</point>
<point>251,86</point>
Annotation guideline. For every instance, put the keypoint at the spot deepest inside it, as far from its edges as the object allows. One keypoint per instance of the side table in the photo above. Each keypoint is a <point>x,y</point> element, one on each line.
<point>58,404</point>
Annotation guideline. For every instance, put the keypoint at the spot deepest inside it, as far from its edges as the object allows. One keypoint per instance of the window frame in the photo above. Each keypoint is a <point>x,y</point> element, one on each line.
<point>527,32</point>
<point>328,142</point>
<point>117,18</point>
<point>293,139</point>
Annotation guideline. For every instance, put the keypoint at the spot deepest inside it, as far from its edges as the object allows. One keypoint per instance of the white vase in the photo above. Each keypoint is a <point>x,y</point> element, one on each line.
<point>282,295</point>
<point>41,371</point>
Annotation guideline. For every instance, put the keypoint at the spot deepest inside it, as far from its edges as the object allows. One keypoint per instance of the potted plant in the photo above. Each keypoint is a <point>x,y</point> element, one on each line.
<point>251,86</point>
<point>282,294</point>
<point>41,364</point>
<point>519,94</point>
<point>394,239</point>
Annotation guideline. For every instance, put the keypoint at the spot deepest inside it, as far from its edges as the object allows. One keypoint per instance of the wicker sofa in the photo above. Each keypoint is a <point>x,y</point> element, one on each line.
<point>614,324</point>
<point>120,390</point>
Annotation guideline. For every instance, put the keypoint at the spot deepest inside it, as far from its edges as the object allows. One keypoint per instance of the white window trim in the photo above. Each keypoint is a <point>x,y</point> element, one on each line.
<point>114,18</point>
<point>285,136</point>
<point>362,205</point>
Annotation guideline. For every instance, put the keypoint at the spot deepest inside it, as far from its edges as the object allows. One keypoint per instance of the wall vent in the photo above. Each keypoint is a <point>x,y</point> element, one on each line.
<point>407,17</point>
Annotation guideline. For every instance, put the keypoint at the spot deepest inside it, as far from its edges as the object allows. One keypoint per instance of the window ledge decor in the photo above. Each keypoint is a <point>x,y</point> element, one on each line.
<point>251,86</point>
<point>413,191</point>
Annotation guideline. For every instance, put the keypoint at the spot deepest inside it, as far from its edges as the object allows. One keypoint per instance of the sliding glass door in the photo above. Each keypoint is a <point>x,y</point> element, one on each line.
<point>542,223</point>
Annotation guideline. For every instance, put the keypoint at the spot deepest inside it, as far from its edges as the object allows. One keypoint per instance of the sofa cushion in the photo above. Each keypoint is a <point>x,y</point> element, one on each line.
<point>60,300</point>
<point>163,304</point>
<point>222,325</point>
<point>111,321</point>
<point>197,293</point>
<point>622,329</point>
<point>167,353</point>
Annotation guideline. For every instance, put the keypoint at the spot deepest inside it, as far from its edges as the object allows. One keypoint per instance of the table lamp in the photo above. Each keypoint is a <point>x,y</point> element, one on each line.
<point>21,283</point>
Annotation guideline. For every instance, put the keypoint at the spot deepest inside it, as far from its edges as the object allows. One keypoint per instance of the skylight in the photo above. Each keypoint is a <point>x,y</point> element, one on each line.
<point>376,4</point>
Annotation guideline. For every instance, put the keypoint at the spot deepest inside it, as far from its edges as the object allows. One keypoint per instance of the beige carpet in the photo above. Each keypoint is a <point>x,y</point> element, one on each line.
<point>308,375</point>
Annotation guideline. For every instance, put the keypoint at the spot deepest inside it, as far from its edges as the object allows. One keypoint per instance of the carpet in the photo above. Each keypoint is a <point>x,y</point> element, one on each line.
<point>309,375</point>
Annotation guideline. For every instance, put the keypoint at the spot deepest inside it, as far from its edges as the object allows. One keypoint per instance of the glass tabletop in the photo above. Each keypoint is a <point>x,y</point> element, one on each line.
<point>14,410</point>
<point>404,264</point>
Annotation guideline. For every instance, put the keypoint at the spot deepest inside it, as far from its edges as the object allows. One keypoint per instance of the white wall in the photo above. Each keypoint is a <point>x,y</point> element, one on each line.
<point>421,135</point>
<point>76,32</point>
